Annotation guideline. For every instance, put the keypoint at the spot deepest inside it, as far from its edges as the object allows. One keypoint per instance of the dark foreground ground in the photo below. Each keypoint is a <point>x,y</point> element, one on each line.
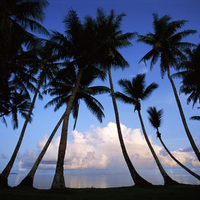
<point>126,193</point>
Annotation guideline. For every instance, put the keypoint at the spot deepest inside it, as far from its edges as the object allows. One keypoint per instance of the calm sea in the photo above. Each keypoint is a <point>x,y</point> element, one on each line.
<point>97,181</point>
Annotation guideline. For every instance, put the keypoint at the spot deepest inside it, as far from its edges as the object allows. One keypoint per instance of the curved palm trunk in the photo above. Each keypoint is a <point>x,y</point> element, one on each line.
<point>167,179</point>
<point>58,180</point>
<point>4,175</point>
<point>28,180</point>
<point>196,150</point>
<point>139,181</point>
<point>183,166</point>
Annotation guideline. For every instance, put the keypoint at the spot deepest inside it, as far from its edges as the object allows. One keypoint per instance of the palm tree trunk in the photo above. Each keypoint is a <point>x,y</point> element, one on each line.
<point>58,181</point>
<point>183,166</point>
<point>196,150</point>
<point>28,180</point>
<point>4,175</point>
<point>139,181</point>
<point>167,179</point>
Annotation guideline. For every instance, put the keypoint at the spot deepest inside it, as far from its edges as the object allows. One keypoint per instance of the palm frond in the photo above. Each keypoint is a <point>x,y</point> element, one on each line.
<point>75,109</point>
<point>123,98</point>
<point>195,118</point>
<point>149,90</point>
<point>99,90</point>
<point>95,109</point>
<point>126,86</point>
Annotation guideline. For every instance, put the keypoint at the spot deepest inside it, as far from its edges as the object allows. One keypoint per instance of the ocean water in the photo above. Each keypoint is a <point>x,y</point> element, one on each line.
<point>97,181</point>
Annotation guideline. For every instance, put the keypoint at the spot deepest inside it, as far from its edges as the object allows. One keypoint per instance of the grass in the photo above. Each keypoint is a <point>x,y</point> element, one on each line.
<point>189,192</point>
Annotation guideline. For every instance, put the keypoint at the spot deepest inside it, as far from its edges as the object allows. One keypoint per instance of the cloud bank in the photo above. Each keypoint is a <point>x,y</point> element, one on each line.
<point>99,148</point>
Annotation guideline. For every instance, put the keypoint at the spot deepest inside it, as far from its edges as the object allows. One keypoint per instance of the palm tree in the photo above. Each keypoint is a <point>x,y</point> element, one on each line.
<point>166,43</point>
<point>62,87</point>
<point>155,117</point>
<point>16,17</point>
<point>111,39</point>
<point>78,49</point>
<point>134,92</point>
<point>44,64</point>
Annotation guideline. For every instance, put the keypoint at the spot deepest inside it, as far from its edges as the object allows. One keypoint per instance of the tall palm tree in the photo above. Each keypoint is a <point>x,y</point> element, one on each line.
<point>77,48</point>
<point>155,117</point>
<point>61,88</point>
<point>134,92</point>
<point>166,43</point>
<point>44,64</point>
<point>111,39</point>
<point>16,17</point>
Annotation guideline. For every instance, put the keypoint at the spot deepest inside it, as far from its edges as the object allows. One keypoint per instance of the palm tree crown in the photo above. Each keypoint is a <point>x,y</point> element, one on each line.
<point>155,117</point>
<point>134,91</point>
<point>110,39</point>
<point>166,42</point>
<point>62,87</point>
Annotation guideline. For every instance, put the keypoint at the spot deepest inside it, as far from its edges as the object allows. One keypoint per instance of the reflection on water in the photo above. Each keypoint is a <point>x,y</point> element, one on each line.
<point>96,181</point>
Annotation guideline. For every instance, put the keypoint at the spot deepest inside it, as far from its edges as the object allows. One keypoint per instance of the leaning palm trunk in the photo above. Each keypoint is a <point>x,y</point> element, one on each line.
<point>167,179</point>
<point>28,180</point>
<point>4,175</point>
<point>139,181</point>
<point>183,166</point>
<point>183,117</point>
<point>58,180</point>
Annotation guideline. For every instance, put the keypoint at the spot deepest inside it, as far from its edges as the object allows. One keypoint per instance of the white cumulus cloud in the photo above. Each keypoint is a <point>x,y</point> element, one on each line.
<point>100,149</point>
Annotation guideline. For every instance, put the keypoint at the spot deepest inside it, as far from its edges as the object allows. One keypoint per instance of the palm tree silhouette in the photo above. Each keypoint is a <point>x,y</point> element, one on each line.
<point>44,65</point>
<point>134,92</point>
<point>112,39</point>
<point>155,117</point>
<point>167,44</point>
<point>61,87</point>
<point>78,49</point>
<point>16,17</point>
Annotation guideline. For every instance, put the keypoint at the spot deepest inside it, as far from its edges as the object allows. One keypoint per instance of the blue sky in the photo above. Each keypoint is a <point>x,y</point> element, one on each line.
<point>90,136</point>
